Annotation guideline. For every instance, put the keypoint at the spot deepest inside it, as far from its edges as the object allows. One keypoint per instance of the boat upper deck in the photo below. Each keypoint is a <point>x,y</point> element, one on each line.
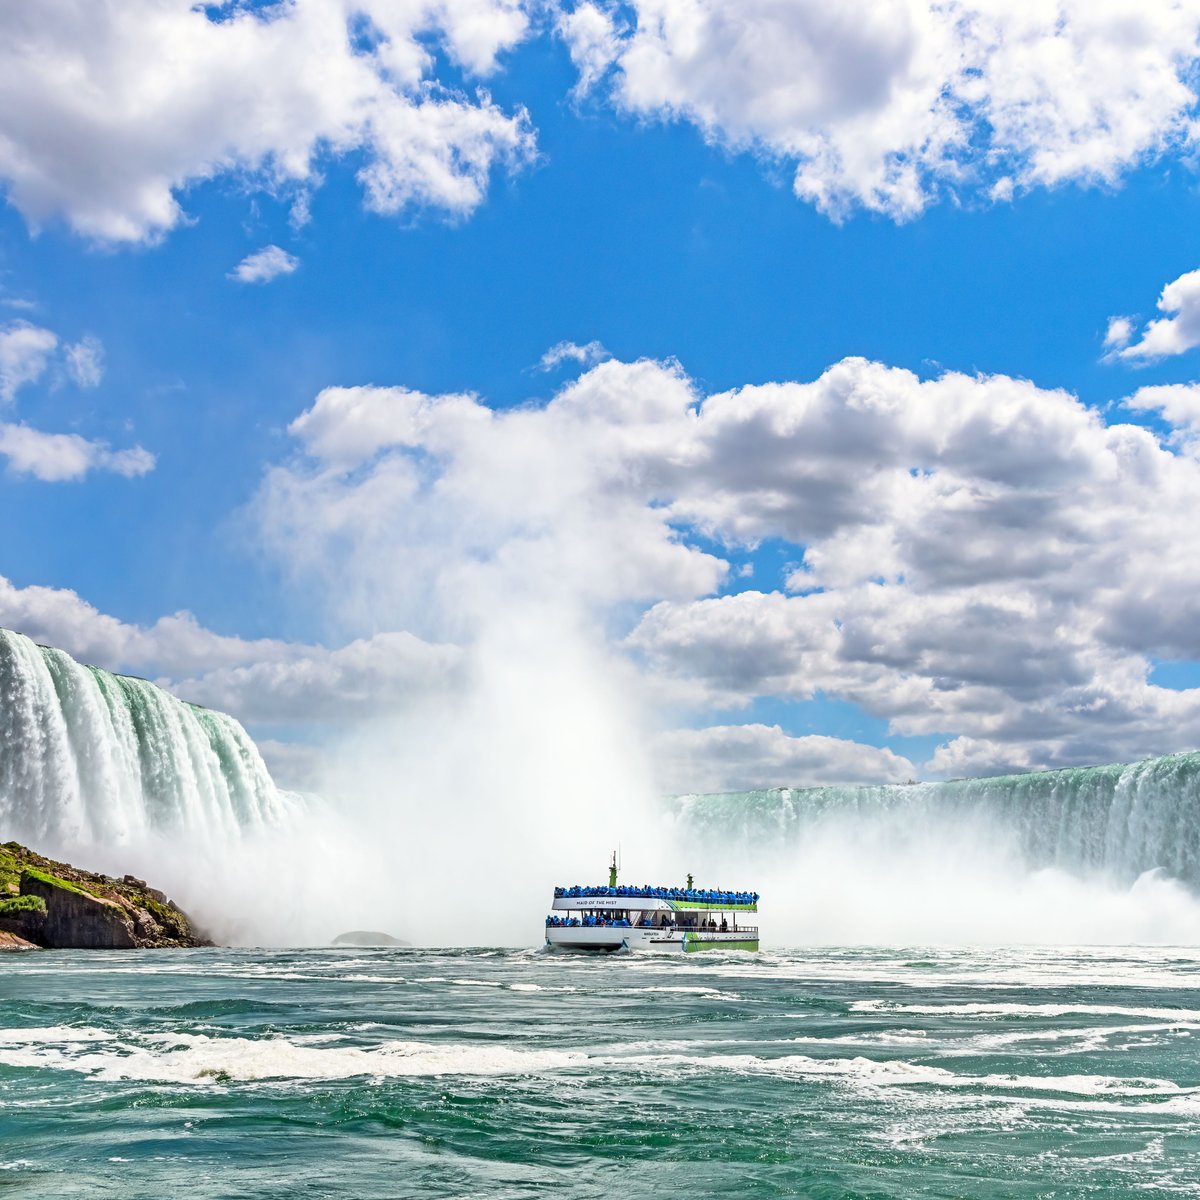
<point>647,898</point>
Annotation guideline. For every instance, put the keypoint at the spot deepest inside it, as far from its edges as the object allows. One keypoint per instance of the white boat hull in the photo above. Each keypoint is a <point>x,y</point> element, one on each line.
<point>610,938</point>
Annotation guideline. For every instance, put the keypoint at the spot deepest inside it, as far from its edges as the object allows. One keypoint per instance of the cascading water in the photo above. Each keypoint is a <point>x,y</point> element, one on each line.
<point>92,758</point>
<point>1120,820</point>
<point>1098,854</point>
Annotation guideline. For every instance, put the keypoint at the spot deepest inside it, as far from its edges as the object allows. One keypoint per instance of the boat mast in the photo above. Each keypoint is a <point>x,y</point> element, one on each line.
<point>612,871</point>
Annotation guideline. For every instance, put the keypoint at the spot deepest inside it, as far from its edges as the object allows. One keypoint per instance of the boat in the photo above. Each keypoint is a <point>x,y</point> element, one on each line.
<point>662,920</point>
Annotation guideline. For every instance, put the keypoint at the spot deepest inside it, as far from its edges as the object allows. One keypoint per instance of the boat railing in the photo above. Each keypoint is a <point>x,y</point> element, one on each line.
<point>748,930</point>
<point>633,892</point>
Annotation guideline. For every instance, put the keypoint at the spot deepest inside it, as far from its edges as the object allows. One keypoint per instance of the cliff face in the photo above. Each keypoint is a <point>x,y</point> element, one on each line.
<point>56,906</point>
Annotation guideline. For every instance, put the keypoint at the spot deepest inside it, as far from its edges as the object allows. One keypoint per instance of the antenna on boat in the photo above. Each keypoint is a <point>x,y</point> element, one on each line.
<point>612,871</point>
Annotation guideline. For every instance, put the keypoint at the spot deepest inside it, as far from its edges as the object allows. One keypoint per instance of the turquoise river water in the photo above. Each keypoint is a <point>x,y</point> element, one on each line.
<point>499,1073</point>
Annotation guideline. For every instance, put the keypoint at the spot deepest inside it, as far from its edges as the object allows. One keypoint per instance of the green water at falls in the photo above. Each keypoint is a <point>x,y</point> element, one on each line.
<point>1120,820</point>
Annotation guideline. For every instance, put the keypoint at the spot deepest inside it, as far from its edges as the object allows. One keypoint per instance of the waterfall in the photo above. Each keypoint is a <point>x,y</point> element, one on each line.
<point>1118,821</point>
<point>88,757</point>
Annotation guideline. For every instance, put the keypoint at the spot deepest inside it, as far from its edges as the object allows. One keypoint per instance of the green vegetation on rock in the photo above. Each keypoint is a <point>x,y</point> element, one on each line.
<point>10,869</point>
<point>55,905</point>
<point>51,880</point>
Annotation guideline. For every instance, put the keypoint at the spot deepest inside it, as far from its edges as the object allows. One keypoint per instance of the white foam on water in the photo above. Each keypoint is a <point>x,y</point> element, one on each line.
<point>869,1037</point>
<point>1091,1037</point>
<point>708,993</point>
<point>901,1073</point>
<point>1059,1042</point>
<point>52,1033</point>
<point>999,1009</point>
<point>199,1058</point>
<point>1012,967</point>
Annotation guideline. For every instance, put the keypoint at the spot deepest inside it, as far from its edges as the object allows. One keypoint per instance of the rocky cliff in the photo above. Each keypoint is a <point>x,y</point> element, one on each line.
<point>55,906</point>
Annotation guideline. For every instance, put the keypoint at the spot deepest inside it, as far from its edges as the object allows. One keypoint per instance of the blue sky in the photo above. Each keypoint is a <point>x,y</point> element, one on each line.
<point>656,233</point>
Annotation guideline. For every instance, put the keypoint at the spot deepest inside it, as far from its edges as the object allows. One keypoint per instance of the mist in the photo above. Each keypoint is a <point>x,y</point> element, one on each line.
<point>453,822</point>
<point>533,539</point>
<point>916,875</point>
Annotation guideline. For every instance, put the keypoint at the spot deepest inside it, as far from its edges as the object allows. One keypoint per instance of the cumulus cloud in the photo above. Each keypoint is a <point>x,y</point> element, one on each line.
<point>264,265</point>
<point>356,682</point>
<point>885,105</point>
<point>977,558</point>
<point>109,110</point>
<point>259,680</point>
<point>1177,403</point>
<point>347,426</point>
<point>429,508</point>
<point>1178,331</point>
<point>25,352</point>
<point>1119,333</point>
<point>562,352</point>
<point>741,757</point>
<point>63,457</point>
<point>173,645</point>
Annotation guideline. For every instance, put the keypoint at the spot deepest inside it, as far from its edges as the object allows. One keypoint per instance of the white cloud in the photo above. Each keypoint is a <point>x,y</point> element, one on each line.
<point>884,105</point>
<point>25,352</point>
<point>264,265</point>
<point>347,426</point>
<point>975,558</point>
<point>1177,403</point>
<point>1176,332</point>
<point>591,32</point>
<point>261,680</point>
<point>173,645</point>
<point>62,457</point>
<point>85,361</point>
<point>585,356</point>
<point>108,111</point>
<point>358,682</point>
<point>979,558</point>
<point>1119,333</point>
<point>741,757</point>
<point>425,506</point>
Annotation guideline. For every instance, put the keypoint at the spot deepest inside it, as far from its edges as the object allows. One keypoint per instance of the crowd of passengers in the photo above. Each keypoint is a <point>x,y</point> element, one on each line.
<point>661,893</point>
<point>590,921</point>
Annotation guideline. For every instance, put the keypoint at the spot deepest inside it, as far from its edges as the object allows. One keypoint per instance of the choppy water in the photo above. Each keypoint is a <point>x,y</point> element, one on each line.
<point>418,1073</point>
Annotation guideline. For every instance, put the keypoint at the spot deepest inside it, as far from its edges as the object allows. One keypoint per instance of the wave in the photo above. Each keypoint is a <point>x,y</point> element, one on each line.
<point>201,1059</point>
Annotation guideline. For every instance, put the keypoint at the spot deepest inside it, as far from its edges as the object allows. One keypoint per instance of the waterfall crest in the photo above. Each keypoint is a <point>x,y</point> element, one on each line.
<point>87,756</point>
<point>1120,820</point>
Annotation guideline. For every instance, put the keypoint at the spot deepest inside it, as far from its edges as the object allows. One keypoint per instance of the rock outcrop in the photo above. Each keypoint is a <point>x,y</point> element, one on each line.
<point>10,941</point>
<point>56,906</point>
<point>367,937</point>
